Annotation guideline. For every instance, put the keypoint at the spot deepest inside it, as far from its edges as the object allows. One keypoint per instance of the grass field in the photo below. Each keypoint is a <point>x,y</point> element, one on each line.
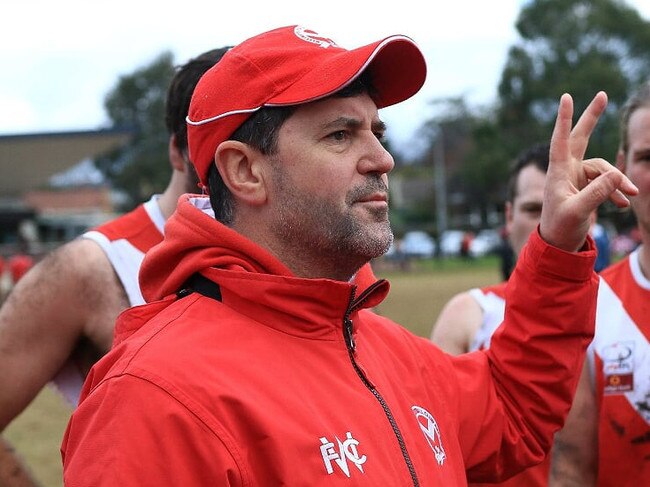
<point>415,300</point>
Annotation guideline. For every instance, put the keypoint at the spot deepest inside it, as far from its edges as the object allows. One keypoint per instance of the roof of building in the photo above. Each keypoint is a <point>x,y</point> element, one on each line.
<point>27,161</point>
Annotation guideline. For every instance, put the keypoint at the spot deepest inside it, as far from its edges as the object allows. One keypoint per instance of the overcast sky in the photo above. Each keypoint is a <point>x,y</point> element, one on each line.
<point>59,58</point>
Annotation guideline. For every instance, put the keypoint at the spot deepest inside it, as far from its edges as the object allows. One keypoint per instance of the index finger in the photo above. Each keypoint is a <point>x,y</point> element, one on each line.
<point>560,148</point>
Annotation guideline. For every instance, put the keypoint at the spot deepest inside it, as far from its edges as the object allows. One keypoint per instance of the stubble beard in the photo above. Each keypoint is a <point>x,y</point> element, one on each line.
<point>318,227</point>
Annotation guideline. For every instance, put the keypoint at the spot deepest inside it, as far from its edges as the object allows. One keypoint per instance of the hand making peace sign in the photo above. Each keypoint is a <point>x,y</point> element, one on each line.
<point>576,187</point>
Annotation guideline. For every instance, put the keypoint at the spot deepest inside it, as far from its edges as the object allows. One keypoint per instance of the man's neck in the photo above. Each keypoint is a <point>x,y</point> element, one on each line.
<point>169,198</point>
<point>167,203</point>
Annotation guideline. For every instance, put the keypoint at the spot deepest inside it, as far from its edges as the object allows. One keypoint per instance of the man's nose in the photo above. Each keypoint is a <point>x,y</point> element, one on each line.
<point>376,158</point>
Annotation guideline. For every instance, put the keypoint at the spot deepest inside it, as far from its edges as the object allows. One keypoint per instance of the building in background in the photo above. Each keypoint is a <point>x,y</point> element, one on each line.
<point>49,189</point>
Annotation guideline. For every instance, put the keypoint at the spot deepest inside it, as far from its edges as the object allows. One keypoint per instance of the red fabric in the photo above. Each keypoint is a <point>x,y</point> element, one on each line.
<point>18,265</point>
<point>624,422</point>
<point>260,388</point>
<point>289,66</point>
<point>635,298</point>
<point>497,289</point>
<point>623,444</point>
<point>136,227</point>
<point>538,475</point>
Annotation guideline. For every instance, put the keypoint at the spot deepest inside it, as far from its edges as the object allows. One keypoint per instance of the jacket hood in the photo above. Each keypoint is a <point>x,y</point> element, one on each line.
<point>196,242</point>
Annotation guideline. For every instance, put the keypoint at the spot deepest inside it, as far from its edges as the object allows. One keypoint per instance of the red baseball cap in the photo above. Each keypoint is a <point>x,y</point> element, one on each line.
<point>290,66</point>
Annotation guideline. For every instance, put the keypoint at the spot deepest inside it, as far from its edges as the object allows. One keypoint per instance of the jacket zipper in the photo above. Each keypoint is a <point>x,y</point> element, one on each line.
<point>351,346</point>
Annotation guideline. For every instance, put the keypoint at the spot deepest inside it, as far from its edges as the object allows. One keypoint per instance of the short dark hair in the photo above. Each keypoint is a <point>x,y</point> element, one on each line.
<point>638,99</point>
<point>536,155</point>
<point>179,93</point>
<point>260,131</point>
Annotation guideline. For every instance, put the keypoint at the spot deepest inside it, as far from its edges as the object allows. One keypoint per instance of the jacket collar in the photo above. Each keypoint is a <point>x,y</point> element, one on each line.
<point>196,242</point>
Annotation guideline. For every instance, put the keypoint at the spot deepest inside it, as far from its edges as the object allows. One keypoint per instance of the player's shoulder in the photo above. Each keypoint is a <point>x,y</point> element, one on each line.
<point>461,301</point>
<point>76,259</point>
<point>137,227</point>
<point>496,289</point>
<point>74,275</point>
<point>126,225</point>
<point>458,321</point>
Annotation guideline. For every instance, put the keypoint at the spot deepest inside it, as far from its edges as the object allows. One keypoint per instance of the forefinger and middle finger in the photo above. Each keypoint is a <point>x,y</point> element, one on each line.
<point>584,127</point>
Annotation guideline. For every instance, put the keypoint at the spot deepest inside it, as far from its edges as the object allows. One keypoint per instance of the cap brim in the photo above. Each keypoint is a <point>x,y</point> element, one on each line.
<point>396,64</point>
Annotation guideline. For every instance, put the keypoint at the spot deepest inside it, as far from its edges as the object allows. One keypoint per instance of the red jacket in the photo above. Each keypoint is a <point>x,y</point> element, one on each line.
<point>491,299</point>
<point>291,381</point>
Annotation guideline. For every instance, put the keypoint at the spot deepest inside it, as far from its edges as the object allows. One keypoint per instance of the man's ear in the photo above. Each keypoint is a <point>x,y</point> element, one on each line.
<point>176,157</point>
<point>240,167</point>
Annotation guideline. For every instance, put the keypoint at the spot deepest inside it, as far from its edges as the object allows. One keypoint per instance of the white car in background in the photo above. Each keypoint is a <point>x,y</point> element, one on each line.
<point>450,241</point>
<point>485,242</point>
<point>417,243</point>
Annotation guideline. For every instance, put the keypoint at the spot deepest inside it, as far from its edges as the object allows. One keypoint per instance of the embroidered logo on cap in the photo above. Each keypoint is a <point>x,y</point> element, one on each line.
<point>431,432</point>
<point>313,37</point>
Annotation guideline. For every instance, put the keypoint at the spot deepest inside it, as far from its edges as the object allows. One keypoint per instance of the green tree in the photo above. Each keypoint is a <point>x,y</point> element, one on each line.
<point>483,175</point>
<point>138,102</point>
<point>573,46</point>
<point>449,142</point>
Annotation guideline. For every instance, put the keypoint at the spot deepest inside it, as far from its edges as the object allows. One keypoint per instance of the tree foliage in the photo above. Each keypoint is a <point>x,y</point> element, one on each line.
<point>483,177</point>
<point>571,46</point>
<point>565,46</point>
<point>137,101</point>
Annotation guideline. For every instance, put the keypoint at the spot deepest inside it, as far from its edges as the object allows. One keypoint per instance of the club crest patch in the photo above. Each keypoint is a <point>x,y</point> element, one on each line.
<point>431,432</point>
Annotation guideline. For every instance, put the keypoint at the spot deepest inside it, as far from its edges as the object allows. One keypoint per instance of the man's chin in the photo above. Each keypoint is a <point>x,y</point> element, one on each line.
<point>378,244</point>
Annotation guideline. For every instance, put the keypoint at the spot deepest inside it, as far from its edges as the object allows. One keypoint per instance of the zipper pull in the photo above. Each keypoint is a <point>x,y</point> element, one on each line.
<point>349,339</point>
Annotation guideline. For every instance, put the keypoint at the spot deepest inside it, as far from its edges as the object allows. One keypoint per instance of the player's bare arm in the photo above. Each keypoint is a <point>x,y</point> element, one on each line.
<point>457,324</point>
<point>72,294</point>
<point>12,472</point>
<point>574,461</point>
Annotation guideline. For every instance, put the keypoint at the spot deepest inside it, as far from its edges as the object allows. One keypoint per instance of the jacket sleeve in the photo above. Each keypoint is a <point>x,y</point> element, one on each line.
<point>533,365</point>
<point>121,418</point>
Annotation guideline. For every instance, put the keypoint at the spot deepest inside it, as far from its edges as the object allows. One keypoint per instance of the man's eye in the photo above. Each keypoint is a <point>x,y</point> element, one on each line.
<point>381,136</point>
<point>339,135</point>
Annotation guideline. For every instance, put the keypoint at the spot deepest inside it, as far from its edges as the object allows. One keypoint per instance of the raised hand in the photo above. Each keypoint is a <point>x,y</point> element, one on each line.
<point>576,187</point>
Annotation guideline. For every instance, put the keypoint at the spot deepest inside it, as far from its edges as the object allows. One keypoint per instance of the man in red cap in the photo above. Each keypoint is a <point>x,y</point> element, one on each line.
<point>257,362</point>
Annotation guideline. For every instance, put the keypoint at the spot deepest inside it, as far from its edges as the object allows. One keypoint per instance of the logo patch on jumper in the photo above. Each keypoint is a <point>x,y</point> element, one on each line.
<point>313,37</point>
<point>618,367</point>
<point>431,432</point>
<point>341,453</point>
